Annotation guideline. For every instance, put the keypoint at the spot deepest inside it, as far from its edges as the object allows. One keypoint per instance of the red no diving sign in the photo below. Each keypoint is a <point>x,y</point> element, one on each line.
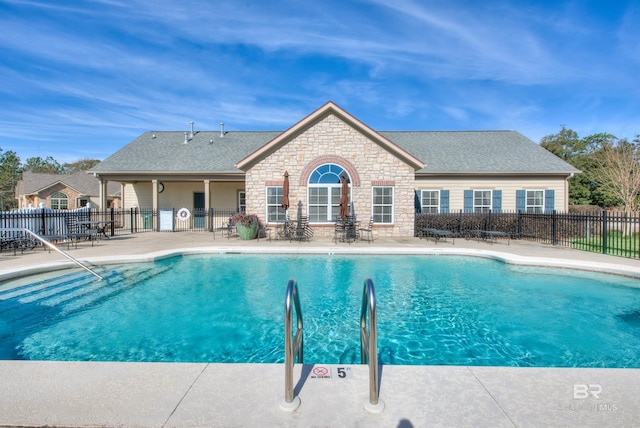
<point>323,372</point>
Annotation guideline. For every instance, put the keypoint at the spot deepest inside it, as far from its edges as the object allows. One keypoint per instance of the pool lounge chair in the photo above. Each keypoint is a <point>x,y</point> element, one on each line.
<point>487,235</point>
<point>438,234</point>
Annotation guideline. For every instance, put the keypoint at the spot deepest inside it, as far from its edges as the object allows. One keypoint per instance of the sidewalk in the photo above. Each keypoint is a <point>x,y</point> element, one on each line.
<point>89,394</point>
<point>150,245</point>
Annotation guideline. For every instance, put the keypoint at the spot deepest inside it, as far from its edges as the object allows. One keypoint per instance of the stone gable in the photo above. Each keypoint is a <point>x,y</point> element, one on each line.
<point>331,140</point>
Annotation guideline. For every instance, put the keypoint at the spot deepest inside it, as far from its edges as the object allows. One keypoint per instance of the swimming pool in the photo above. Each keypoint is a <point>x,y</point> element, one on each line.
<point>432,310</point>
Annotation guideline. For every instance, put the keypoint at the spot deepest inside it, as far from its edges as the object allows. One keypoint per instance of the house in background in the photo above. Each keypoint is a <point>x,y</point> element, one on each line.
<point>64,191</point>
<point>391,175</point>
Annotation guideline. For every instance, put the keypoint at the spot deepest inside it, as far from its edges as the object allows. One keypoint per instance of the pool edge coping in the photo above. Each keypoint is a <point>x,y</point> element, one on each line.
<point>505,257</point>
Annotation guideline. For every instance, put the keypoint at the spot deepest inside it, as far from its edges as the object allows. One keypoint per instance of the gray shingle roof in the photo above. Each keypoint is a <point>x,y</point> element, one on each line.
<point>82,182</point>
<point>442,152</point>
<point>478,152</point>
<point>166,152</point>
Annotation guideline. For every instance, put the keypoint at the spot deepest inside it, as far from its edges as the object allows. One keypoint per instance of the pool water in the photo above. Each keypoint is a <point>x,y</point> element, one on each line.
<point>432,310</point>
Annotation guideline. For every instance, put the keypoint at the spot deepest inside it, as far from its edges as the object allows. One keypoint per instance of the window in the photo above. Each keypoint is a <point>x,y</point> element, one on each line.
<point>535,201</point>
<point>382,204</point>
<point>242,201</point>
<point>275,213</point>
<point>324,193</point>
<point>431,201</point>
<point>59,201</point>
<point>481,201</point>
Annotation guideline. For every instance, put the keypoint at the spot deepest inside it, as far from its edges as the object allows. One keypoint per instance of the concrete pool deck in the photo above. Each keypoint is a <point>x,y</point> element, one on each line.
<point>88,394</point>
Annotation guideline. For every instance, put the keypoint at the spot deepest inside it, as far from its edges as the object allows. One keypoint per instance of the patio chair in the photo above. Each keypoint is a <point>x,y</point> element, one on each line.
<point>301,231</point>
<point>366,233</point>
<point>340,231</point>
<point>227,228</point>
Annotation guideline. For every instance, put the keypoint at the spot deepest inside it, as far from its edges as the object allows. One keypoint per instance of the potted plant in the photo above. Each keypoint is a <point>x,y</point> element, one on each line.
<point>246,225</point>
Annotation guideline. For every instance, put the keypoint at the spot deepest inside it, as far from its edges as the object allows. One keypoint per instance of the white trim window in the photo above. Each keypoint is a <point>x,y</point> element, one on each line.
<point>535,201</point>
<point>323,193</point>
<point>430,201</point>
<point>59,201</point>
<point>242,201</point>
<point>382,204</point>
<point>275,213</point>
<point>482,201</point>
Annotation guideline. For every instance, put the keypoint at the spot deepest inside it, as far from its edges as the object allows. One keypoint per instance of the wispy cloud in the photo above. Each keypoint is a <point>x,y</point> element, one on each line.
<point>106,70</point>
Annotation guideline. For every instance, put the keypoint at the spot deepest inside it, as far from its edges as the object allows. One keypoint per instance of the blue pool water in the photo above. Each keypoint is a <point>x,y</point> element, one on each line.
<point>230,308</point>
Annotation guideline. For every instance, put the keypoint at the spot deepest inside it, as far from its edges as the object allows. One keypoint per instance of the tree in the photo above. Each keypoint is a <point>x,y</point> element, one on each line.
<point>565,144</point>
<point>568,146</point>
<point>618,170</point>
<point>80,165</point>
<point>48,165</point>
<point>9,176</point>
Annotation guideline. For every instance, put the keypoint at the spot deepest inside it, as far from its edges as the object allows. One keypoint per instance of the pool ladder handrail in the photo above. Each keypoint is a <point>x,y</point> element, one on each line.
<point>51,245</point>
<point>369,346</point>
<point>292,347</point>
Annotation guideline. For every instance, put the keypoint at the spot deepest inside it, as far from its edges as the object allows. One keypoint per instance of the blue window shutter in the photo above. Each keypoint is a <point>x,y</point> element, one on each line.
<point>417,202</point>
<point>444,201</point>
<point>549,200</point>
<point>468,201</point>
<point>497,200</point>
<point>521,200</point>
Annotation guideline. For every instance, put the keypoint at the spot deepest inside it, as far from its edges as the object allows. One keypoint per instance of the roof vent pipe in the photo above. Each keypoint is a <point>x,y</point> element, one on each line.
<point>191,136</point>
<point>185,138</point>
<point>221,129</point>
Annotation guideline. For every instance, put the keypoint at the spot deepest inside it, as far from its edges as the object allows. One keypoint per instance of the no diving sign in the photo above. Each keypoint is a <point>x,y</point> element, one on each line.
<point>324,372</point>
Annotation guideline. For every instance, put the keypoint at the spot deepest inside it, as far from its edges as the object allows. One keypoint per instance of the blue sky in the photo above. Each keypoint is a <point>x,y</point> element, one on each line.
<point>80,79</point>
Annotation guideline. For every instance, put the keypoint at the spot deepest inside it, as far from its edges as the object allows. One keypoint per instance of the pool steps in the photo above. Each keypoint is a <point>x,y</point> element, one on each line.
<point>70,293</point>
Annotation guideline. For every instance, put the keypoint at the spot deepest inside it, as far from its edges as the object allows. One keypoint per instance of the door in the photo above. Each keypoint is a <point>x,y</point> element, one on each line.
<point>198,211</point>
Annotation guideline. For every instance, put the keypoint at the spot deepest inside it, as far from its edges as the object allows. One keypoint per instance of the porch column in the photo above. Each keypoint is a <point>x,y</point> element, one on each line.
<point>207,197</point>
<point>207,204</point>
<point>102,193</point>
<point>154,193</point>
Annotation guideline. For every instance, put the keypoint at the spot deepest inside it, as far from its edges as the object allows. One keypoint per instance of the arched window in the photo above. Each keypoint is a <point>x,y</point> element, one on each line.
<point>59,201</point>
<point>325,189</point>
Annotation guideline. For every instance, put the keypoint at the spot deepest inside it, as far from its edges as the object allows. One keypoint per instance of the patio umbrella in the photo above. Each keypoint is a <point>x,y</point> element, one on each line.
<point>285,192</point>
<point>344,198</point>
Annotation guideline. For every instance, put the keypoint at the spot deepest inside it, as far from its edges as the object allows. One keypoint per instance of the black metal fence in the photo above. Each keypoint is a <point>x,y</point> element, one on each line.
<point>603,232</point>
<point>49,222</point>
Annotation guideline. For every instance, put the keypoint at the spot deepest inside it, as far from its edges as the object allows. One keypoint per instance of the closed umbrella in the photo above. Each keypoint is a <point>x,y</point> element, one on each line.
<point>285,192</point>
<point>344,198</point>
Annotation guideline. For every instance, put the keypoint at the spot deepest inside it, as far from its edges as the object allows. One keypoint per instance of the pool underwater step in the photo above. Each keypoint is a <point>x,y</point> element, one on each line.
<point>38,286</point>
<point>71,293</point>
<point>112,288</point>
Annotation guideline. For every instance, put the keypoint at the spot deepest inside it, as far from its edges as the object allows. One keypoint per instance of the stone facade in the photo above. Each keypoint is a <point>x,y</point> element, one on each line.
<point>331,140</point>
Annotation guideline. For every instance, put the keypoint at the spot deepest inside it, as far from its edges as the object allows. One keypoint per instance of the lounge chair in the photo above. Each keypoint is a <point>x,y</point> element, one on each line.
<point>490,235</point>
<point>439,234</point>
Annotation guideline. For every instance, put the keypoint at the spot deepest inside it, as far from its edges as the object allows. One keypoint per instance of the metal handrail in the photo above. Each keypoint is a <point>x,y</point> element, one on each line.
<point>292,347</point>
<point>369,345</point>
<point>51,245</point>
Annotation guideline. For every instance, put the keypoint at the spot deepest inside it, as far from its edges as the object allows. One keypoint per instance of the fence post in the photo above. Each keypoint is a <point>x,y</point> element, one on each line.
<point>460,223</point>
<point>555,227</point>
<point>520,224</point>
<point>44,222</point>
<point>113,221</point>
<point>604,232</point>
